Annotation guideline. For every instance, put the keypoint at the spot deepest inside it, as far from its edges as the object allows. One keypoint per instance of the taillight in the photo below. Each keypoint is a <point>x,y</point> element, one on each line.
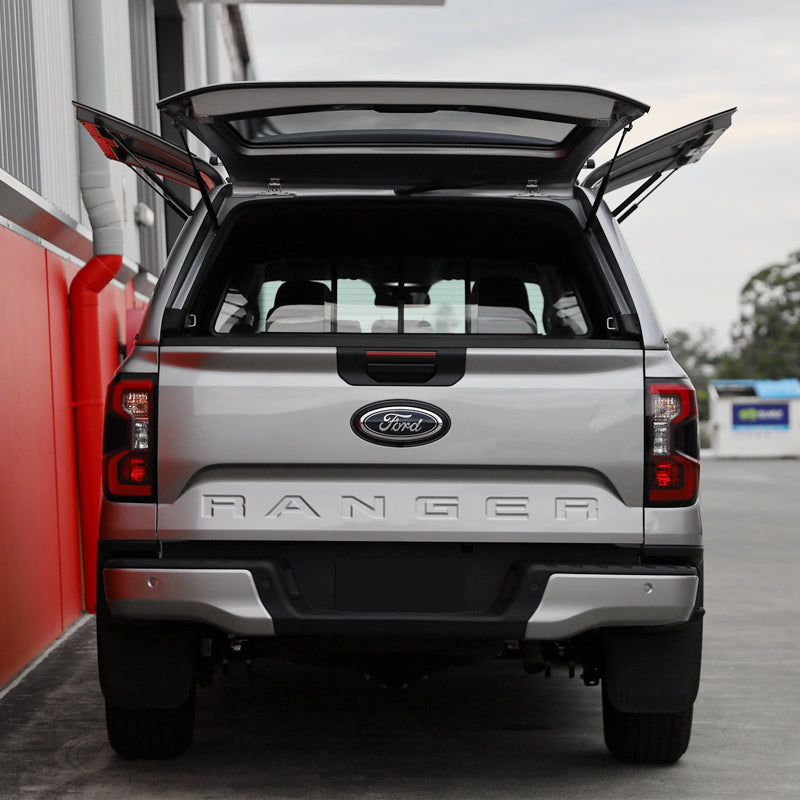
<point>673,469</point>
<point>129,447</point>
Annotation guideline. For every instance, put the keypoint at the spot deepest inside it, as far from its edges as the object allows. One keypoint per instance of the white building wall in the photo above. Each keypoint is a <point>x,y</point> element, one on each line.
<point>39,136</point>
<point>210,52</point>
<point>116,63</point>
<point>229,66</point>
<point>194,45</point>
<point>19,151</point>
<point>55,90</point>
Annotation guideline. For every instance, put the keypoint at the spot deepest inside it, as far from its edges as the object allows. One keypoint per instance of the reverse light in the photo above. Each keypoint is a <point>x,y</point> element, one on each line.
<point>673,469</point>
<point>137,404</point>
<point>129,439</point>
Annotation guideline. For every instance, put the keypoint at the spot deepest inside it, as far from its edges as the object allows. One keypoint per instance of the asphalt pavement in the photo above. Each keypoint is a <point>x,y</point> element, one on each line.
<point>489,731</point>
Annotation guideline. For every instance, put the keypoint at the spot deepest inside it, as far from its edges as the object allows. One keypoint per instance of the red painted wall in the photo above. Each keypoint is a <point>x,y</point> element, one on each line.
<point>40,570</point>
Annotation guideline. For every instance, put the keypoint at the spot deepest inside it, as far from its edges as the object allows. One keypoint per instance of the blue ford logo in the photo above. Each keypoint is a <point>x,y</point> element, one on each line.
<point>400,424</point>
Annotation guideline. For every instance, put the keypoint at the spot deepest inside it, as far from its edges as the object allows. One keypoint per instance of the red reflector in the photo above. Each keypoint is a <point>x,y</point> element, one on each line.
<point>667,474</point>
<point>136,470</point>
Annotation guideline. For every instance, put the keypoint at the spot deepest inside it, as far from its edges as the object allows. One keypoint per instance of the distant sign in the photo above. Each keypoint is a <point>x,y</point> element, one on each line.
<point>772,416</point>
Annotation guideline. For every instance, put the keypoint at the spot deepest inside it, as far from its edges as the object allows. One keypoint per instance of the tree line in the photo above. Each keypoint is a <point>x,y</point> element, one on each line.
<point>765,340</point>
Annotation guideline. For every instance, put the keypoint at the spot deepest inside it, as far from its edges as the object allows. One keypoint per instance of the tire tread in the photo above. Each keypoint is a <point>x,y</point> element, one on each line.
<point>139,733</point>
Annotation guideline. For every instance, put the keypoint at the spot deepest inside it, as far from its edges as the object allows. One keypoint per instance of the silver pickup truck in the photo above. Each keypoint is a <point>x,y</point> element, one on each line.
<point>401,401</point>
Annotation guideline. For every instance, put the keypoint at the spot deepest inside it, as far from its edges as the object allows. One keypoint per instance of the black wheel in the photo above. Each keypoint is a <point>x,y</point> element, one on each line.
<point>646,738</point>
<point>150,732</point>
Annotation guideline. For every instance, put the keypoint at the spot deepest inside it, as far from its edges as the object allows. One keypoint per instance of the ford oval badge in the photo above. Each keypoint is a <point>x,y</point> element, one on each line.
<point>400,424</point>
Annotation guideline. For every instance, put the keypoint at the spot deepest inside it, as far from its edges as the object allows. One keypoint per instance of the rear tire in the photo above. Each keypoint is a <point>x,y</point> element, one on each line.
<point>644,738</point>
<point>151,732</point>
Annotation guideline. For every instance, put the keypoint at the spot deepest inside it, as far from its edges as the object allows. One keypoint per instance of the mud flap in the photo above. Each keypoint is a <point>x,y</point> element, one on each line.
<point>145,665</point>
<point>653,671</point>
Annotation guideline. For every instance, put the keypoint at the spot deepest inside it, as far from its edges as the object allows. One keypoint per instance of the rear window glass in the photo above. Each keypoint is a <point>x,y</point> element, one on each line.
<point>385,295</point>
<point>362,123</point>
<point>384,267</point>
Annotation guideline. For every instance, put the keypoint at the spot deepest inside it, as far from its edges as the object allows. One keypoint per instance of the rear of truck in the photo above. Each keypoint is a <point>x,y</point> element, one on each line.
<point>401,401</point>
<point>264,498</point>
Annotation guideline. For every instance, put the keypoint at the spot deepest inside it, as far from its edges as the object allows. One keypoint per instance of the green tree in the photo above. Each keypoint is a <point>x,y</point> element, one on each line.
<point>697,352</point>
<point>766,339</point>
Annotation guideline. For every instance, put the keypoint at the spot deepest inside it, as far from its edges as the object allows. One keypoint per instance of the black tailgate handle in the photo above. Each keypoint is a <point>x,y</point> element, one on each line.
<point>401,366</point>
<point>363,367</point>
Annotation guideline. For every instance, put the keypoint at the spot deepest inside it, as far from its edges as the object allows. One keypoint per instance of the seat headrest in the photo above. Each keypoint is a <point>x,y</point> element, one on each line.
<point>501,290</point>
<point>295,293</point>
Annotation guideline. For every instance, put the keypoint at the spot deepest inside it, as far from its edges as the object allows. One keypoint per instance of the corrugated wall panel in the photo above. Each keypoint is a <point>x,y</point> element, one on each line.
<point>119,101</point>
<point>30,567</point>
<point>116,37</point>
<point>55,89</point>
<point>145,114</point>
<point>19,154</point>
<point>194,46</point>
<point>59,276</point>
<point>40,565</point>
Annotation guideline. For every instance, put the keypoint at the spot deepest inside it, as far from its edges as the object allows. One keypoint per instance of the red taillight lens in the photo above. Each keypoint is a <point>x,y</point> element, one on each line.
<point>129,439</point>
<point>673,469</point>
<point>135,470</point>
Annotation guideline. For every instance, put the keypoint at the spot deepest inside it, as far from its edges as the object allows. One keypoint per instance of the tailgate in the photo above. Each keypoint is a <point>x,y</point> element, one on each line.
<point>544,445</point>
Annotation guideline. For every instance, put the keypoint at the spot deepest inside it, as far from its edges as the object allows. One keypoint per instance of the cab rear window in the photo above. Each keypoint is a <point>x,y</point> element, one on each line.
<point>385,295</point>
<point>399,267</point>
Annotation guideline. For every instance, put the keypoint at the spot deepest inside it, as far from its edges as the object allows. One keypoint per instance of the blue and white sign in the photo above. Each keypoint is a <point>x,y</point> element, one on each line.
<point>765,416</point>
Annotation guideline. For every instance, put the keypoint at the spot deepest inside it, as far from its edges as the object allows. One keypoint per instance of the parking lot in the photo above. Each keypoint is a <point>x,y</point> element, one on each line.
<point>488,731</point>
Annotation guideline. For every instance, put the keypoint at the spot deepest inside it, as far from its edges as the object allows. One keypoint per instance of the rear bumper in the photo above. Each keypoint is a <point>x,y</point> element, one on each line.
<point>574,603</point>
<point>543,602</point>
<point>224,598</point>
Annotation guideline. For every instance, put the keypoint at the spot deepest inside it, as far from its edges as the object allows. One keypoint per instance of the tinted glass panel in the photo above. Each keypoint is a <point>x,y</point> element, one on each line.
<point>392,266</point>
<point>357,122</point>
<point>385,295</point>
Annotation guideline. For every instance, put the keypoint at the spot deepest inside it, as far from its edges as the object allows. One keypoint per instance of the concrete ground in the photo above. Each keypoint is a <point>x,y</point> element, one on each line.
<point>478,732</point>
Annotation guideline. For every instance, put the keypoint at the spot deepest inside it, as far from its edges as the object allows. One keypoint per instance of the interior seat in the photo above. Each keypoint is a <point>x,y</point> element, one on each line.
<point>300,293</point>
<point>300,307</point>
<point>501,306</point>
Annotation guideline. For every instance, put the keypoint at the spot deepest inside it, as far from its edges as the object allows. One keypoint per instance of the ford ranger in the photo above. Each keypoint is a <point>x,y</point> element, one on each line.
<point>401,401</point>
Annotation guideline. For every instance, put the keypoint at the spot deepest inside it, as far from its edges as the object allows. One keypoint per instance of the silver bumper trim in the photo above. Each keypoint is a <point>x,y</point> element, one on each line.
<point>574,603</point>
<point>226,598</point>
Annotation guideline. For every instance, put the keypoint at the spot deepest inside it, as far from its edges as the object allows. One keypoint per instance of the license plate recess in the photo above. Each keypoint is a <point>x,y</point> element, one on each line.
<point>411,585</point>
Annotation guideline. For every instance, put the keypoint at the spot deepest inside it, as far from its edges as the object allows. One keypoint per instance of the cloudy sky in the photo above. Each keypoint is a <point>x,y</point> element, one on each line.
<point>701,235</point>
